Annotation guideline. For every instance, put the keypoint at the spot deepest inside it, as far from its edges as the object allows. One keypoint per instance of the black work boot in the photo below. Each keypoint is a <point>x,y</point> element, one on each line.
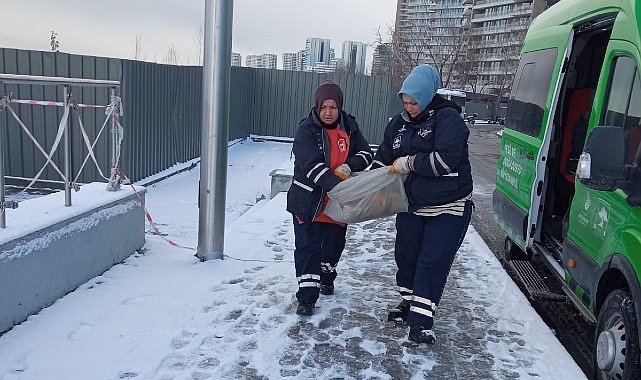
<point>327,289</point>
<point>420,334</point>
<point>305,308</point>
<point>399,313</point>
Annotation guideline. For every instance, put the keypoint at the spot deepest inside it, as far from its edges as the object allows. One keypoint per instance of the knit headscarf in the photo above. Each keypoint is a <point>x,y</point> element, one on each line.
<point>328,90</point>
<point>421,84</point>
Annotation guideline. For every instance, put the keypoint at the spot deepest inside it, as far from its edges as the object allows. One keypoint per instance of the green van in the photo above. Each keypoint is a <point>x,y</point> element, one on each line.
<point>568,181</point>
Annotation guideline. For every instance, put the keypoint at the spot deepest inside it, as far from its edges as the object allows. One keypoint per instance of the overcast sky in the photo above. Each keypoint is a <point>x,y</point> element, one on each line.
<point>110,28</point>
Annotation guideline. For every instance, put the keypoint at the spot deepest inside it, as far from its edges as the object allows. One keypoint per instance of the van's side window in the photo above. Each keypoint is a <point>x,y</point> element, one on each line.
<point>624,104</point>
<point>530,91</point>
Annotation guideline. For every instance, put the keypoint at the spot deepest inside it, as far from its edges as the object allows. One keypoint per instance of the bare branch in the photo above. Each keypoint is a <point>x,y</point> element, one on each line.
<point>198,41</point>
<point>138,50</point>
<point>171,57</point>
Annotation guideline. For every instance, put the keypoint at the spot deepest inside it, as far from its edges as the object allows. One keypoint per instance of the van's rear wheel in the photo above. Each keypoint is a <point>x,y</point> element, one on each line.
<point>617,339</point>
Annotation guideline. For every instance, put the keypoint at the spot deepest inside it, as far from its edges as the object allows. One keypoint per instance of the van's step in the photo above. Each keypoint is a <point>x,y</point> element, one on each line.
<point>534,284</point>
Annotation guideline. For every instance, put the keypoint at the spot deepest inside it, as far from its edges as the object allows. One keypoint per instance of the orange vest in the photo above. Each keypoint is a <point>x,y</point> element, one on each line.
<point>338,151</point>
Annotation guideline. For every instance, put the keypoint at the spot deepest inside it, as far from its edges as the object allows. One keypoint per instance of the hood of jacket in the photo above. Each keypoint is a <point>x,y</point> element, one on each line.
<point>421,84</point>
<point>437,103</point>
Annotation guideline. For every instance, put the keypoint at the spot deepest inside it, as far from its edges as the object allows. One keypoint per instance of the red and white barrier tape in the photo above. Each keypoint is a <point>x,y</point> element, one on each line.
<point>90,146</point>
<point>37,144</point>
<point>156,231</point>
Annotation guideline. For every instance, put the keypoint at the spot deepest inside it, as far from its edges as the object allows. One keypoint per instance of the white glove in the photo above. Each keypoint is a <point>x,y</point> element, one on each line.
<point>343,172</point>
<point>401,165</point>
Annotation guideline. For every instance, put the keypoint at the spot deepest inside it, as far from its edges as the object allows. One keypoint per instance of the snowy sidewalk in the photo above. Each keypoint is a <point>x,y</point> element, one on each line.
<point>164,315</point>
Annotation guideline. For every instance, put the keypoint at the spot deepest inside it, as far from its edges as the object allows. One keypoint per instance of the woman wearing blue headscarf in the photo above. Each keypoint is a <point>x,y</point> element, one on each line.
<point>427,142</point>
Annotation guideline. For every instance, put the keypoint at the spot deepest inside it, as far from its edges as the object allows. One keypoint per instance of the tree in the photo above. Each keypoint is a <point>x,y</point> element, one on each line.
<point>138,47</point>
<point>55,44</point>
<point>509,64</point>
<point>469,72</point>
<point>446,47</point>
<point>198,41</point>
<point>439,40</point>
<point>403,57</point>
<point>171,57</point>
<point>382,59</point>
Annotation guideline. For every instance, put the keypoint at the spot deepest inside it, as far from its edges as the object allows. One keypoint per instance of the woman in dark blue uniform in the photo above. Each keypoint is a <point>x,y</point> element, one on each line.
<point>428,143</point>
<point>328,146</point>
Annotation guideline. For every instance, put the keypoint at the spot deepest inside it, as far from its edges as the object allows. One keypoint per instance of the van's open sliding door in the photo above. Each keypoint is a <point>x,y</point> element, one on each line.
<point>528,130</point>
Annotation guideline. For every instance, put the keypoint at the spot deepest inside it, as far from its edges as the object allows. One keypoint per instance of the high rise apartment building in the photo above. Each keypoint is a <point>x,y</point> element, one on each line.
<point>429,31</point>
<point>318,53</point>
<point>235,59</point>
<point>475,44</point>
<point>319,56</point>
<point>353,56</point>
<point>254,60</point>
<point>382,59</point>
<point>264,61</point>
<point>498,28</point>
<point>270,61</point>
<point>294,61</point>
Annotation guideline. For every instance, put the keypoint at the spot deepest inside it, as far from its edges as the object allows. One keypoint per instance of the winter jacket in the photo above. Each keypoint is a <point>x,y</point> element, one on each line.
<point>312,175</point>
<point>441,171</point>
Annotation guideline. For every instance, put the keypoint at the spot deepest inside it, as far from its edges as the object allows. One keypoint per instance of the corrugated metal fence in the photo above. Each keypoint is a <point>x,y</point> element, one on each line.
<point>162,109</point>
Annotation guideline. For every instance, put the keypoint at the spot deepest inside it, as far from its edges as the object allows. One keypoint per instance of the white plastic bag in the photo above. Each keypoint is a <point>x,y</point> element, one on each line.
<point>369,195</point>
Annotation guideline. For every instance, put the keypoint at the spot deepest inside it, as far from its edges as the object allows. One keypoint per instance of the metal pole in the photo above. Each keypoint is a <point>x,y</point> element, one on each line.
<point>215,129</point>
<point>67,139</point>
<point>114,136</point>
<point>3,219</point>
<point>4,204</point>
<point>114,181</point>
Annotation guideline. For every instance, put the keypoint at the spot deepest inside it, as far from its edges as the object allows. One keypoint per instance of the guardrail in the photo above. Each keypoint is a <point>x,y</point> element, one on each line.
<point>113,112</point>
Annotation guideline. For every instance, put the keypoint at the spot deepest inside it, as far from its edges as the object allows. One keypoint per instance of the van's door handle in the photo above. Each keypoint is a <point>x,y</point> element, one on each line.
<point>530,156</point>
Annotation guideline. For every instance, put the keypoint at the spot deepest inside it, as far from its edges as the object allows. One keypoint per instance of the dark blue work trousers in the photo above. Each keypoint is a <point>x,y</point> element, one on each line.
<point>424,251</point>
<point>319,246</point>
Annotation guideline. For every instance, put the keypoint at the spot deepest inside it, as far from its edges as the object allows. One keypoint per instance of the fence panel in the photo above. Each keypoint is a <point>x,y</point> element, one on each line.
<point>162,107</point>
<point>283,98</point>
<point>22,158</point>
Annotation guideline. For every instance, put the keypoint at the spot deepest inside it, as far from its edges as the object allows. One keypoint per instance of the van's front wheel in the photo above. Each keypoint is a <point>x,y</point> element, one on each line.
<point>617,339</point>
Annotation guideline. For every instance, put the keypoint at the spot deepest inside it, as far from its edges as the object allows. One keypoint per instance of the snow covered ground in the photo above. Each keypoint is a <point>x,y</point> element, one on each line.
<point>162,314</point>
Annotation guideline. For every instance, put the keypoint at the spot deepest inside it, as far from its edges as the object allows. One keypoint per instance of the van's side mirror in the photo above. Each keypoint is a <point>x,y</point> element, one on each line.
<point>603,162</point>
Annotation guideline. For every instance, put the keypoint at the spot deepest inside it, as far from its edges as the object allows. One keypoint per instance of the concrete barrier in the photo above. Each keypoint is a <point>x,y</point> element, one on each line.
<point>281,181</point>
<point>48,250</point>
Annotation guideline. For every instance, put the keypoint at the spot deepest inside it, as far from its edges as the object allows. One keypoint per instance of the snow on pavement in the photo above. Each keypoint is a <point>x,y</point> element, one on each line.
<point>162,314</point>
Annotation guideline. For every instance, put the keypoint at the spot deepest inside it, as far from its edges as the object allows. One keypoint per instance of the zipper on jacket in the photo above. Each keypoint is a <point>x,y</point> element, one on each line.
<point>326,158</point>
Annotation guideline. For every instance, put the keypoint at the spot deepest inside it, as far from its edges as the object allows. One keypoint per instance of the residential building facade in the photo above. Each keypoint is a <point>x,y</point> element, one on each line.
<point>353,56</point>
<point>254,60</point>
<point>270,61</point>
<point>382,59</point>
<point>475,44</point>
<point>294,61</point>
<point>263,61</point>
<point>319,54</point>
<point>236,59</point>
<point>429,31</point>
<point>498,28</point>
